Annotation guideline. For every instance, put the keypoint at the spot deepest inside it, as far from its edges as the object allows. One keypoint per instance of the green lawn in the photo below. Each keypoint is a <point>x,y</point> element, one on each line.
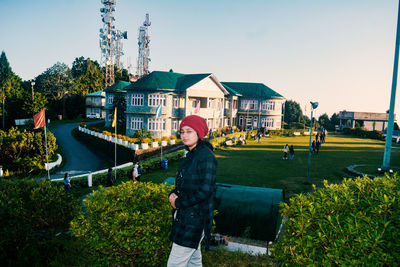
<point>262,165</point>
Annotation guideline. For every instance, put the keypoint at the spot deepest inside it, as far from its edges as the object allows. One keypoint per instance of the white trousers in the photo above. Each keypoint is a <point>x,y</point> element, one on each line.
<point>185,257</point>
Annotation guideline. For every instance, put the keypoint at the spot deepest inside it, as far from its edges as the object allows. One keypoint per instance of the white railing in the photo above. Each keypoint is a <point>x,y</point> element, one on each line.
<point>90,174</point>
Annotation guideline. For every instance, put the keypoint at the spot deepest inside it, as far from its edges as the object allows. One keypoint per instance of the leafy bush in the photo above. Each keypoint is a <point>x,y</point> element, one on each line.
<point>355,223</point>
<point>364,133</point>
<point>142,134</point>
<point>127,225</point>
<point>32,216</point>
<point>286,132</point>
<point>25,151</point>
<point>146,140</point>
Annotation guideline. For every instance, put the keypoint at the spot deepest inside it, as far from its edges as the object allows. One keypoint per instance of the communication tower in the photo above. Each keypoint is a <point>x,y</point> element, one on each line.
<point>110,41</point>
<point>144,49</point>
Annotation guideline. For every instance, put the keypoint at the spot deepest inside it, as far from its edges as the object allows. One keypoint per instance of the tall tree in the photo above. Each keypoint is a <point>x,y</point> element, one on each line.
<point>88,76</point>
<point>56,84</point>
<point>325,122</point>
<point>335,119</point>
<point>5,72</point>
<point>293,112</point>
<point>121,75</point>
<point>120,103</point>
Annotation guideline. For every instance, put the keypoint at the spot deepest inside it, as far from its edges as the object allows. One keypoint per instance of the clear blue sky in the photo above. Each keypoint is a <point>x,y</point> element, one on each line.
<point>339,53</point>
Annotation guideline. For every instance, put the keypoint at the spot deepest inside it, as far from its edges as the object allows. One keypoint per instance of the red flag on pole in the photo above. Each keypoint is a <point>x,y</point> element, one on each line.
<point>39,119</point>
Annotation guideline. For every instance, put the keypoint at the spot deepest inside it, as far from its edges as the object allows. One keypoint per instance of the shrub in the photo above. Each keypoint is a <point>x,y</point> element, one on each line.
<point>127,225</point>
<point>142,134</point>
<point>165,138</point>
<point>32,216</point>
<point>173,137</point>
<point>146,140</point>
<point>354,223</point>
<point>25,151</point>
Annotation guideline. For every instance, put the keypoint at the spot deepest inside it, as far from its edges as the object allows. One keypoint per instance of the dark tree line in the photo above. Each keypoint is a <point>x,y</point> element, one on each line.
<point>59,89</point>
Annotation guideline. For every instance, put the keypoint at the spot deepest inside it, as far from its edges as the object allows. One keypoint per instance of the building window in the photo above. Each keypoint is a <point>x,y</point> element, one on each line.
<point>175,125</point>
<point>268,105</point>
<point>137,100</point>
<point>267,122</point>
<point>211,103</point>
<point>156,124</point>
<point>175,101</point>
<point>227,104</point>
<point>110,99</point>
<point>156,100</point>
<point>136,123</point>
<point>249,104</point>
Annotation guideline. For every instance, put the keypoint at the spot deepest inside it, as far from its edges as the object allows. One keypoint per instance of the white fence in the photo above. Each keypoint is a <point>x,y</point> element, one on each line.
<point>90,174</point>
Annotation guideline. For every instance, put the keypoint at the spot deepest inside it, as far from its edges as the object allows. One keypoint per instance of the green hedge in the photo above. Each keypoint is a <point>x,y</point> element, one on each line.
<point>127,225</point>
<point>287,132</point>
<point>32,216</point>
<point>364,133</point>
<point>355,223</point>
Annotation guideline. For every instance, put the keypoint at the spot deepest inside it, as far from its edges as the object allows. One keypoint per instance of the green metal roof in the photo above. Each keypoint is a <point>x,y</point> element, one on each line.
<point>117,87</point>
<point>230,90</point>
<point>166,80</point>
<point>98,93</point>
<point>251,89</point>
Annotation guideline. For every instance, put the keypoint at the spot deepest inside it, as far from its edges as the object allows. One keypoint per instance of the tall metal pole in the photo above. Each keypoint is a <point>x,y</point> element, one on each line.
<point>309,149</point>
<point>33,98</point>
<point>389,132</point>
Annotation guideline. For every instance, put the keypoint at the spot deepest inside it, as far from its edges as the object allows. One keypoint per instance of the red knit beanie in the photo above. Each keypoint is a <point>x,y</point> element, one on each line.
<point>197,123</point>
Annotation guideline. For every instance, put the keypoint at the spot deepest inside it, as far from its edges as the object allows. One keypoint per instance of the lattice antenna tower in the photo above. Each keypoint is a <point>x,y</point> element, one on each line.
<point>110,41</point>
<point>144,48</point>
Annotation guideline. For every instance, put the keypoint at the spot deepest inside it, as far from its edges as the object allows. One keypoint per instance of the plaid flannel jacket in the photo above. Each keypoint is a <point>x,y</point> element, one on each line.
<point>195,187</point>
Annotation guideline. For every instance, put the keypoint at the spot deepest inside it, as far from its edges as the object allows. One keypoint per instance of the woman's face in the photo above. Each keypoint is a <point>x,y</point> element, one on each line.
<point>189,137</point>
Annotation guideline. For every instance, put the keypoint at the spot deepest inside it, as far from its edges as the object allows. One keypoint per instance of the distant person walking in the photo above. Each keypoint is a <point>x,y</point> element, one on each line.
<point>110,178</point>
<point>285,151</point>
<point>291,152</point>
<point>67,183</point>
<point>259,136</point>
<point>137,173</point>
<point>313,147</point>
<point>317,146</point>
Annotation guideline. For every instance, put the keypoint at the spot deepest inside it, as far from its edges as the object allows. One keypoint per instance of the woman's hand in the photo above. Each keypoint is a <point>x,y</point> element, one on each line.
<point>172,199</point>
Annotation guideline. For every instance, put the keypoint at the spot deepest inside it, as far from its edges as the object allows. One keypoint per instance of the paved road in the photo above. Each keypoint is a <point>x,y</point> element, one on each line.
<point>79,159</point>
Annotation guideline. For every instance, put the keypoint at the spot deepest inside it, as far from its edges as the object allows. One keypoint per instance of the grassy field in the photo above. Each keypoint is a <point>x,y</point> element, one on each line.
<point>262,165</point>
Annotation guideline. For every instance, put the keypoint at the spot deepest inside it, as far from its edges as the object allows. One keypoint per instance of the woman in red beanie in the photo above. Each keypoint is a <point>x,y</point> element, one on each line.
<point>193,196</point>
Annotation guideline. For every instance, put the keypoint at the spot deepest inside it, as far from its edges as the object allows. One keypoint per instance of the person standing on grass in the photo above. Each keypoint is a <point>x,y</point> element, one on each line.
<point>291,152</point>
<point>192,199</point>
<point>259,136</point>
<point>313,147</point>
<point>67,182</point>
<point>285,151</point>
<point>317,146</point>
<point>110,178</point>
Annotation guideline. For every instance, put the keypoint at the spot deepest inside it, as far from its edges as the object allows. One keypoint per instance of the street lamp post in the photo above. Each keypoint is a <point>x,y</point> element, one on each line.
<point>33,97</point>
<point>314,105</point>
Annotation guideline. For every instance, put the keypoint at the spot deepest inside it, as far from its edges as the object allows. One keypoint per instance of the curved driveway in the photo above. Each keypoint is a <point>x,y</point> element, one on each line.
<point>79,159</point>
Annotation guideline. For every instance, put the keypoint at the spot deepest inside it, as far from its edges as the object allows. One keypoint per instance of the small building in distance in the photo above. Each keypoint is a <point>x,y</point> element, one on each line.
<point>368,120</point>
<point>95,105</point>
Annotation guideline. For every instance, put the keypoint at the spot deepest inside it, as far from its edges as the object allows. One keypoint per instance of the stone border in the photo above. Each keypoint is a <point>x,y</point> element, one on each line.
<point>357,173</point>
